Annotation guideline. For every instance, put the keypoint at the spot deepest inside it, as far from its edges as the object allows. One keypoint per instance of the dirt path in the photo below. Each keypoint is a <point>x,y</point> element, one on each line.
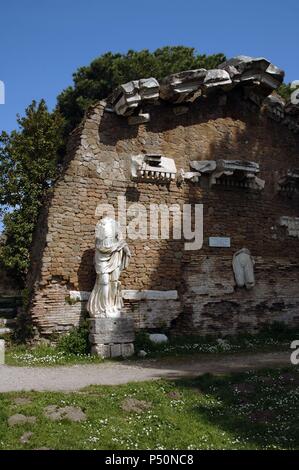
<point>69,378</point>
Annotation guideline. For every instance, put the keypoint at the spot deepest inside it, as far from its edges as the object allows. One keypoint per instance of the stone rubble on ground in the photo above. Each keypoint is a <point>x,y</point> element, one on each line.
<point>142,353</point>
<point>70,413</point>
<point>25,438</point>
<point>19,419</point>
<point>22,401</point>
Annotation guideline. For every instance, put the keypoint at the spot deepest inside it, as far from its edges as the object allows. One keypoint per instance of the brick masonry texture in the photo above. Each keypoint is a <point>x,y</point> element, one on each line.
<point>97,170</point>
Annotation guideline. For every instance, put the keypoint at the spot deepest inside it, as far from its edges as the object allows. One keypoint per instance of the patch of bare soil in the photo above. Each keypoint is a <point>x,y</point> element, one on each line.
<point>132,405</point>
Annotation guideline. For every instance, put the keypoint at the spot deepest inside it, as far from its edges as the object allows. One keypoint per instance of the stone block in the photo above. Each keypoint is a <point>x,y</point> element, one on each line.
<point>141,118</point>
<point>131,294</point>
<point>102,350</point>
<point>150,294</point>
<point>182,86</point>
<point>111,330</point>
<point>112,337</point>
<point>127,349</point>
<point>129,96</point>
<point>217,78</point>
<point>292,224</point>
<point>115,350</point>
<point>158,338</point>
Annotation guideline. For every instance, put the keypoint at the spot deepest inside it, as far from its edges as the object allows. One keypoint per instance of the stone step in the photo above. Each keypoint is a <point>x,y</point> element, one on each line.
<point>9,302</point>
<point>8,312</point>
<point>7,322</point>
<point>5,331</point>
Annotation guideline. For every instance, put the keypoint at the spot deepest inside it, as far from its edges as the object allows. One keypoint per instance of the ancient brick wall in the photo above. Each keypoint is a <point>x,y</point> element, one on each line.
<point>97,170</point>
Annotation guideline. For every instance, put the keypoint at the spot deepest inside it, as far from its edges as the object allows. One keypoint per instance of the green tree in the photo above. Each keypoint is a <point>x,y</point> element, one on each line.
<point>98,80</point>
<point>29,159</point>
<point>285,91</point>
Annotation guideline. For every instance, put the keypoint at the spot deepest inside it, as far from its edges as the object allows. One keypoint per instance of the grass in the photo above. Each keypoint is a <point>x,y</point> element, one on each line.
<point>276,338</point>
<point>45,355</point>
<point>252,410</point>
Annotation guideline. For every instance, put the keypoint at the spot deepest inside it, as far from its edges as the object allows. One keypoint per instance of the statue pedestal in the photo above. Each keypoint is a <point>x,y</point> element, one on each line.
<point>112,337</point>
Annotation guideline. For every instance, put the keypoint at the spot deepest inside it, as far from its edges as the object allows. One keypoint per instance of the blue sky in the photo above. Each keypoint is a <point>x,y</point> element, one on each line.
<point>43,42</point>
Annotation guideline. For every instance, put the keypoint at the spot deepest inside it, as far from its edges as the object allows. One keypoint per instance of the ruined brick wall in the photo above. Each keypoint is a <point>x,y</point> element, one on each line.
<point>97,170</point>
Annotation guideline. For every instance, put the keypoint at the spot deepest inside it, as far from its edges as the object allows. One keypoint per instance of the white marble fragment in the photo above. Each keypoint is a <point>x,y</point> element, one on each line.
<point>142,353</point>
<point>274,105</point>
<point>150,294</point>
<point>131,294</point>
<point>203,166</point>
<point>255,71</point>
<point>216,78</point>
<point>242,173</point>
<point>292,224</point>
<point>243,267</point>
<point>192,176</point>
<point>129,96</point>
<point>158,338</point>
<point>140,118</point>
<point>153,168</point>
<point>182,86</point>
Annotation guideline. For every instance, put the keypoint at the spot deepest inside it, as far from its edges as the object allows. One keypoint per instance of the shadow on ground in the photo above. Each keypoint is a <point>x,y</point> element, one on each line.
<point>259,408</point>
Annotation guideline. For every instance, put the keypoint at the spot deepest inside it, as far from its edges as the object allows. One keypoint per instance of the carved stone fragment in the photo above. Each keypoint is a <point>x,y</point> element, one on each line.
<point>237,173</point>
<point>141,118</point>
<point>274,105</point>
<point>292,224</point>
<point>243,267</point>
<point>192,176</point>
<point>255,71</point>
<point>129,96</point>
<point>203,166</point>
<point>289,184</point>
<point>153,167</point>
<point>182,86</point>
<point>217,79</point>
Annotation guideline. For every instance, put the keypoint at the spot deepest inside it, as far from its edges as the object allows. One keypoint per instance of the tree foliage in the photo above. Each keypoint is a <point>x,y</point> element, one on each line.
<point>285,91</point>
<point>29,160</point>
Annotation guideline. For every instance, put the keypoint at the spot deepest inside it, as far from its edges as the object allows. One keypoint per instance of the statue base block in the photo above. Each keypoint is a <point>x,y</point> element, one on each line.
<point>112,337</point>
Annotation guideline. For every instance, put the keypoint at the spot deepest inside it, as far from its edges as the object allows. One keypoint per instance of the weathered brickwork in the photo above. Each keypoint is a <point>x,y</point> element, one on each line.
<point>97,170</point>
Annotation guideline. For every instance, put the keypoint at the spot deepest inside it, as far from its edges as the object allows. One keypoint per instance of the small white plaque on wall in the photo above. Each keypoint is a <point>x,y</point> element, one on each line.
<point>220,242</point>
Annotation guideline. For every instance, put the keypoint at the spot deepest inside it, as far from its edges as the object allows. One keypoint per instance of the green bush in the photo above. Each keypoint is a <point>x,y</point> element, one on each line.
<point>142,341</point>
<point>76,341</point>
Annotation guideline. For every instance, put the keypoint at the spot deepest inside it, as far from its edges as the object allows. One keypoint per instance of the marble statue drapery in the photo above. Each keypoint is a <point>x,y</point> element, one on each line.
<point>111,258</point>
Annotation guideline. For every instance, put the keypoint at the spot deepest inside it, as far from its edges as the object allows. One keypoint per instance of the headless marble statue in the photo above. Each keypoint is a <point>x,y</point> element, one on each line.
<point>111,256</point>
<point>243,266</point>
